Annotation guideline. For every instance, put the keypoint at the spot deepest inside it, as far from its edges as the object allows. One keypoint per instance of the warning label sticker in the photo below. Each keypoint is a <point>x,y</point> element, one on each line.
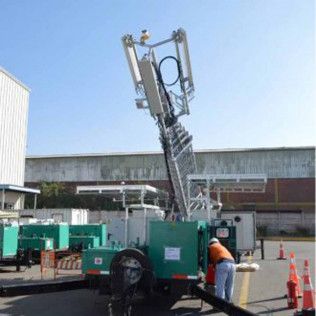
<point>97,260</point>
<point>172,253</point>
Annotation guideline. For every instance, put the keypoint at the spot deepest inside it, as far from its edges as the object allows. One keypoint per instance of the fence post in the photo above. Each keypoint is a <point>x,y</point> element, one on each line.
<point>41,262</point>
<point>262,248</point>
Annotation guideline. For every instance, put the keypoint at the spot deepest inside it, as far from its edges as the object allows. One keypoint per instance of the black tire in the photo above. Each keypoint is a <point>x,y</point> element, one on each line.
<point>147,280</point>
<point>117,309</point>
<point>19,259</point>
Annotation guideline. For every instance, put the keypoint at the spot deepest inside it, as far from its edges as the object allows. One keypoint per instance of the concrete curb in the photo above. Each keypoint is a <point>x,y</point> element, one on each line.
<point>288,238</point>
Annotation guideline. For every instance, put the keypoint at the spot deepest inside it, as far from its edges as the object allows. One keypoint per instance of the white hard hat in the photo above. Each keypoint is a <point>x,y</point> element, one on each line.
<point>213,240</point>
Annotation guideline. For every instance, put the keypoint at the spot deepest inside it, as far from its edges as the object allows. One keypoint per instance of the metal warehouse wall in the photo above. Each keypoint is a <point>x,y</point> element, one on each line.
<point>14,102</point>
<point>276,163</point>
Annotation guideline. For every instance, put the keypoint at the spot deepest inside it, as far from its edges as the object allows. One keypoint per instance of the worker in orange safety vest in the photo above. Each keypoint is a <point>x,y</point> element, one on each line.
<point>225,269</point>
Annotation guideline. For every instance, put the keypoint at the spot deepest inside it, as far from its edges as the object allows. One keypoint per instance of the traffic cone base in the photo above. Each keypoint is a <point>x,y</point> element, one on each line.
<point>281,252</point>
<point>293,274</point>
<point>308,294</point>
<point>310,312</point>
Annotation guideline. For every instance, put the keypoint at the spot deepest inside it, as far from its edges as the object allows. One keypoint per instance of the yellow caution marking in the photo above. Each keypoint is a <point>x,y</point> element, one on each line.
<point>244,291</point>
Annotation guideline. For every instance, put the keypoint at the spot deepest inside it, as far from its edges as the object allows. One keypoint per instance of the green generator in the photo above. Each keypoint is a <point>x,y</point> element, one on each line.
<point>179,250</point>
<point>83,242</point>
<point>58,232</point>
<point>8,241</point>
<point>225,231</point>
<point>174,250</point>
<point>11,254</point>
<point>36,243</point>
<point>97,230</point>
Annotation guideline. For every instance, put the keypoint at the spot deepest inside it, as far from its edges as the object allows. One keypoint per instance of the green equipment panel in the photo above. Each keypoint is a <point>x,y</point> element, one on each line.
<point>59,232</point>
<point>8,241</point>
<point>98,260</point>
<point>98,230</point>
<point>36,243</point>
<point>173,249</point>
<point>227,237</point>
<point>86,241</point>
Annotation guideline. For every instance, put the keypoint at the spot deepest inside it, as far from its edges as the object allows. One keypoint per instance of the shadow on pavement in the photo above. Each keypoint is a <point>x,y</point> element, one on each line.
<point>269,299</point>
<point>184,311</point>
<point>271,311</point>
<point>78,302</point>
<point>87,303</point>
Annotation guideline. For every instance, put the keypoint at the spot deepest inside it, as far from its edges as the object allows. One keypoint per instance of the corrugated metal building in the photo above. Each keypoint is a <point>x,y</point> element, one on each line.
<point>290,172</point>
<point>14,103</point>
<point>287,205</point>
<point>279,163</point>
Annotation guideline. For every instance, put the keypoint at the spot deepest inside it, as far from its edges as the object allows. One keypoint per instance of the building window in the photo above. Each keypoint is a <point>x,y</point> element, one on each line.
<point>8,206</point>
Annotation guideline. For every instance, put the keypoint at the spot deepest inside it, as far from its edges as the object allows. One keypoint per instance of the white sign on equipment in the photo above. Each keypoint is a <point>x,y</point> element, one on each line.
<point>172,253</point>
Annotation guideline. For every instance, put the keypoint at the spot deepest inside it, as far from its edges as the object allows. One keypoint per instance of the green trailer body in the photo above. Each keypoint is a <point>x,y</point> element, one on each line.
<point>174,249</point>
<point>98,260</point>
<point>86,241</point>
<point>8,241</point>
<point>98,230</point>
<point>36,243</point>
<point>203,238</point>
<point>59,232</point>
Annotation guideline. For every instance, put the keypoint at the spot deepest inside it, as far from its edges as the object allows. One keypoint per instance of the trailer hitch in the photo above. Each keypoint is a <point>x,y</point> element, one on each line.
<point>224,306</point>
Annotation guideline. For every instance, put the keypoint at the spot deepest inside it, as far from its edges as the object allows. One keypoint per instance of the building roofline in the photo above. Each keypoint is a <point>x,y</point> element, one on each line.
<point>144,153</point>
<point>15,79</point>
<point>18,188</point>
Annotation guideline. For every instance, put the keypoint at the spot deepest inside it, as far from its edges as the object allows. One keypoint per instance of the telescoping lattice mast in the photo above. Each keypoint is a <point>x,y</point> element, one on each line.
<point>166,101</point>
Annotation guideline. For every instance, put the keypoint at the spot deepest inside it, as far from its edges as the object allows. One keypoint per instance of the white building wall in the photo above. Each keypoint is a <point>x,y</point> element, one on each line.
<point>276,222</point>
<point>14,102</point>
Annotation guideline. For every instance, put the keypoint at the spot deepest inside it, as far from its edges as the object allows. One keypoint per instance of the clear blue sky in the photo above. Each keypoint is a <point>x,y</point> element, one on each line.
<point>253,66</point>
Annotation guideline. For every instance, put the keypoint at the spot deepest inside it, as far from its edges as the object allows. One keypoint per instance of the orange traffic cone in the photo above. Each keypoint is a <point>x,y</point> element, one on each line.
<point>293,274</point>
<point>292,293</point>
<point>281,252</point>
<point>308,294</point>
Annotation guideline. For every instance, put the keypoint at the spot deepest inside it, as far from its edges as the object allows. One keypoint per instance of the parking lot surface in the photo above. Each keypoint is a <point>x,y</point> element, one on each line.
<point>261,292</point>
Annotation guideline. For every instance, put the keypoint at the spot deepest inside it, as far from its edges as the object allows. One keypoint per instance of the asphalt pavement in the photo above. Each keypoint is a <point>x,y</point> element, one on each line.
<point>261,292</point>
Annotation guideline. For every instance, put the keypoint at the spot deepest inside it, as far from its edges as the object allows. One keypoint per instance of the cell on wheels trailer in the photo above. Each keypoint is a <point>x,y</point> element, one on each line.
<point>174,257</point>
<point>58,232</point>
<point>170,252</point>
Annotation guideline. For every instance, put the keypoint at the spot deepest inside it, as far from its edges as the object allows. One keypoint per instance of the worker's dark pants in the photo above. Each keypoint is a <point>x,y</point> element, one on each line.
<point>225,276</point>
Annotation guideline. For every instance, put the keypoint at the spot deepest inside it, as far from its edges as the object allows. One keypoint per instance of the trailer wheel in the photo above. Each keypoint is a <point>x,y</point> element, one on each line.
<point>19,259</point>
<point>131,267</point>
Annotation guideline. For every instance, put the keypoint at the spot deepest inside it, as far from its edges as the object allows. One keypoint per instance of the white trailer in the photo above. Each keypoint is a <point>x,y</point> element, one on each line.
<point>59,215</point>
<point>245,222</point>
